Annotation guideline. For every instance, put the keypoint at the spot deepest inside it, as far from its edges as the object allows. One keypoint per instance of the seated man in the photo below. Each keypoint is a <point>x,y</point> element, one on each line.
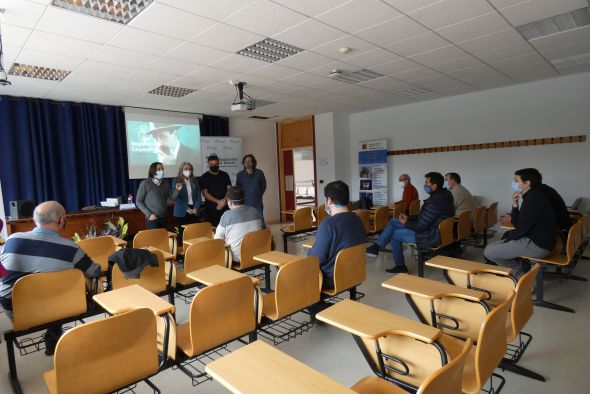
<point>410,193</point>
<point>341,230</point>
<point>238,221</point>
<point>422,230</point>
<point>462,198</point>
<point>534,225</point>
<point>42,250</point>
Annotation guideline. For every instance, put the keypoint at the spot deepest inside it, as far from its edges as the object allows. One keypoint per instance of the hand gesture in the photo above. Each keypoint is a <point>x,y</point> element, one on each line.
<point>515,198</point>
<point>152,217</point>
<point>403,218</point>
<point>506,220</point>
<point>178,186</point>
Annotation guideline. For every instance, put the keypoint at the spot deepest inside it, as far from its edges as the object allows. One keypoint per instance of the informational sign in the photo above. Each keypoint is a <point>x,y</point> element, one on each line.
<point>373,171</point>
<point>2,217</point>
<point>229,151</point>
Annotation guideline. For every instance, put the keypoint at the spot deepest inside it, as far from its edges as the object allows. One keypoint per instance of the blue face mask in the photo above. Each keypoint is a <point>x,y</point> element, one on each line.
<point>159,174</point>
<point>446,185</point>
<point>427,189</point>
<point>515,187</point>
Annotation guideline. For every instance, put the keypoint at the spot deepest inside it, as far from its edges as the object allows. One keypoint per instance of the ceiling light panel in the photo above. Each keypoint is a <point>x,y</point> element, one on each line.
<point>172,91</point>
<point>359,76</point>
<point>30,71</point>
<point>120,11</point>
<point>270,50</point>
<point>571,61</point>
<point>555,24</point>
<point>413,92</point>
<point>261,103</point>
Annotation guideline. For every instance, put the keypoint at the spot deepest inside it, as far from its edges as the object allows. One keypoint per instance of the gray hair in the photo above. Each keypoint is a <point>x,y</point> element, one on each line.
<point>48,212</point>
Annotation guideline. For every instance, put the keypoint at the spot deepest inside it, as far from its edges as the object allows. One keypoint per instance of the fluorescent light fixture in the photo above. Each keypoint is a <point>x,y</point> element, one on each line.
<point>120,11</point>
<point>363,75</point>
<point>256,103</point>
<point>413,92</point>
<point>555,24</point>
<point>270,50</point>
<point>172,91</point>
<point>39,72</point>
<point>571,61</point>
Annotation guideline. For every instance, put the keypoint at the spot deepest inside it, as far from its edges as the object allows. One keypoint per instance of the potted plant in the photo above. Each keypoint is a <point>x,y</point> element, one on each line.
<point>115,228</point>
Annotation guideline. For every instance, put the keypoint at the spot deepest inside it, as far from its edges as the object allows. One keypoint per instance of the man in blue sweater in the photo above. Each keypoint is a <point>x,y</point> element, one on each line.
<point>421,230</point>
<point>341,230</point>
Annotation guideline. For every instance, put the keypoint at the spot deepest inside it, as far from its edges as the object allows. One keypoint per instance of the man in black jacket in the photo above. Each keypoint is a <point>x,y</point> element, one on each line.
<point>534,225</point>
<point>421,230</point>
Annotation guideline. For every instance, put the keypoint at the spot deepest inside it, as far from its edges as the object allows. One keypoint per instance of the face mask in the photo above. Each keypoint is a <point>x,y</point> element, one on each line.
<point>248,165</point>
<point>402,185</point>
<point>516,187</point>
<point>428,189</point>
<point>446,185</point>
<point>186,173</point>
<point>159,174</point>
<point>214,168</point>
<point>327,209</point>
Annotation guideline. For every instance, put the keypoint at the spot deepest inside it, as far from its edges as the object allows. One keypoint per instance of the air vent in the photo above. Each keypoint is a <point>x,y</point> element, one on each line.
<point>363,75</point>
<point>571,61</point>
<point>413,92</point>
<point>270,50</point>
<point>261,103</point>
<point>120,11</point>
<point>172,91</point>
<point>262,117</point>
<point>39,72</point>
<point>555,24</point>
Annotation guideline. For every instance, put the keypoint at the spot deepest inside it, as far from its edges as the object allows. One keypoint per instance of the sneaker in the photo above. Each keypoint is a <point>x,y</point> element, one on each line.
<point>373,250</point>
<point>397,269</point>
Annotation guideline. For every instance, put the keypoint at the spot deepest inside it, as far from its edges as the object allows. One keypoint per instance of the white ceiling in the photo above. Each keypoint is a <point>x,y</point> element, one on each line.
<point>447,46</point>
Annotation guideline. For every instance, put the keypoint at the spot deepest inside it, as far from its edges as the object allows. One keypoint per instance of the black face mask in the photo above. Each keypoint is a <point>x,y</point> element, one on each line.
<point>214,168</point>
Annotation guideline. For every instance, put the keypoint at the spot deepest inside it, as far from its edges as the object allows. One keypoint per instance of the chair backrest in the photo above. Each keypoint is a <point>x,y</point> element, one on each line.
<point>364,216</point>
<point>298,286</point>
<point>445,229</point>
<point>220,313</point>
<point>99,249</point>
<point>198,230</point>
<point>204,254</point>
<point>381,219</point>
<point>492,215</point>
<point>522,303</point>
<point>302,219</point>
<point>491,343</point>
<point>158,238</point>
<point>464,225</point>
<point>398,209</point>
<point>577,202</point>
<point>479,219</point>
<point>254,243</point>
<point>350,268</point>
<point>321,214</point>
<point>47,297</point>
<point>414,208</point>
<point>105,355</point>
<point>448,379</point>
<point>152,279</point>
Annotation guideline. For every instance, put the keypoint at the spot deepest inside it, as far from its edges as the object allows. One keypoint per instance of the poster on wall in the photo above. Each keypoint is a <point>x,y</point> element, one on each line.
<point>373,171</point>
<point>229,151</point>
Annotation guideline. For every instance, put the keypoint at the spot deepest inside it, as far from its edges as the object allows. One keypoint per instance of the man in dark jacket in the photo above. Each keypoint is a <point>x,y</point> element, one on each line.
<point>421,230</point>
<point>534,225</point>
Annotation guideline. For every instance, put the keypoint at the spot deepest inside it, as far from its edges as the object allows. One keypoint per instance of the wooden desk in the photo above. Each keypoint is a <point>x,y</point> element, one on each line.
<point>262,369</point>
<point>119,243</point>
<point>276,258</point>
<point>167,255</point>
<point>369,322</point>
<point>215,274</point>
<point>193,241</point>
<point>132,297</point>
<point>308,244</point>
<point>289,212</point>
<point>430,289</point>
<point>466,266</point>
<point>509,227</point>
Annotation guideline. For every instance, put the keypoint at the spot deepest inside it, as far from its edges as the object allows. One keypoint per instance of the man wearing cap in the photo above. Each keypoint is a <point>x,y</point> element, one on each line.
<point>169,149</point>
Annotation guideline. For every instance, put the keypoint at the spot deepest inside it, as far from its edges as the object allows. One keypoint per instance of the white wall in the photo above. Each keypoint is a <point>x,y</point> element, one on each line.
<point>554,107</point>
<point>260,139</point>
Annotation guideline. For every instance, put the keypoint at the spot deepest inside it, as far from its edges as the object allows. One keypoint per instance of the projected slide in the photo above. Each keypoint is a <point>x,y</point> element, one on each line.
<point>161,136</point>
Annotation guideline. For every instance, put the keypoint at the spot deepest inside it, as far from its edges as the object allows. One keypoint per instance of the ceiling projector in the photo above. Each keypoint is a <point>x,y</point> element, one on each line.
<point>242,101</point>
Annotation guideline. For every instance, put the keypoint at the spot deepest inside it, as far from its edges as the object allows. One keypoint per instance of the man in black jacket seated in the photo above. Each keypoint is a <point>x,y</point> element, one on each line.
<point>422,229</point>
<point>534,225</point>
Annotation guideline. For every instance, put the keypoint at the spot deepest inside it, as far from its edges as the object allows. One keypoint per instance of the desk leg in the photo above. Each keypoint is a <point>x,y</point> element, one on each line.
<point>267,285</point>
<point>12,374</point>
<point>420,264</point>
<point>285,244</point>
<point>539,301</point>
<point>167,323</point>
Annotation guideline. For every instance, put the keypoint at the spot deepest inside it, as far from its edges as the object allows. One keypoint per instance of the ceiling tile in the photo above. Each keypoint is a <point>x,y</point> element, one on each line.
<point>304,79</point>
<point>505,52</point>
<point>10,53</point>
<point>226,38</point>
<point>311,8</point>
<point>14,35</point>
<point>332,49</point>
<point>223,88</point>
<point>194,53</point>
<point>171,66</point>
<point>52,43</point>
<point>492,41</point>
<point>124,57</point>
<point>21,13</point>
<point>439,55</point>
<point>189,83</point>
<point>309,34</point>
<point>533,10</point>
<point>305,61</point>
<point>250,19</point>
<point>212,74</point>
<point>238,63</point>
<point>217,9</point>
<point>36,58</point>
<point>492,83</point>
<point>475,27</point>
<point>578,48</point>
<point>79,26</point>
<point>418,44</point>
<point>518,62</point>
<point>91,69</point>
<point>388,32</point>
<point>396,67</point>
<point>449,12</point>
<point>533,73</point>
<point>325,69</point>
<point>456,64</point>
<point>358,15</point>
<point>415,74</point>
<point>372,58</point>
<point>408,6</point>
<point>28,87</point>
<point>561,39</point>
<point>143,41</point>
<point>150,77</point>
<point>385,84</point>
<point>181,24</point>
<point>274,72</point>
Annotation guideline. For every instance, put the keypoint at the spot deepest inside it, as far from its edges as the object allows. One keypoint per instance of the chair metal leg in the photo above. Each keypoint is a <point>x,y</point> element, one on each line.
<point>285,243</point>
<point>508,365</point>
<point>152,386</point>
<point>585,257</point>
<point>540,302</point>
<point>353,293</point>
<point>267,277</point>
<point>12,374</point>
<point>420,264</point>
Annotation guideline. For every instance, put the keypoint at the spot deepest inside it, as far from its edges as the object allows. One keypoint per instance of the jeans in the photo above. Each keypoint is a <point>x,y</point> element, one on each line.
<point>397,234</point>
<point>507,253</point>
<point>158,223</point>
<point>261,212</point>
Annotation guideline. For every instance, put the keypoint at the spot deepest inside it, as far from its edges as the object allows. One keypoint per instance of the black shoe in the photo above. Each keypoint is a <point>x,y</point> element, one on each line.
<point>398,269</point>
<point>373,250</point>
<point>50,348</point>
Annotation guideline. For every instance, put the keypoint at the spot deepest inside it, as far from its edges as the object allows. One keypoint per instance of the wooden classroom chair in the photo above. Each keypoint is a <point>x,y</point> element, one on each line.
<point>302,223</point>
<point>363,215</point>
<point>195,230</point>
<point>99,249</point>
<point>153,279</point>
<point>414,209</point>
<point>349,271</point>
<point>253,244</point>
<point>201,255</point>
<point>320,215</point>
<point>159,238</point>
<point>445,230</point>
<point>398,209</point>
<point>379,219</point>
<point>463,226</point>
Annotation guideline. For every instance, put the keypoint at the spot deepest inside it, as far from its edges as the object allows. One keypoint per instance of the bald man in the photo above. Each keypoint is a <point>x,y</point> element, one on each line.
<point>42,250</point>
<point>410,192</point>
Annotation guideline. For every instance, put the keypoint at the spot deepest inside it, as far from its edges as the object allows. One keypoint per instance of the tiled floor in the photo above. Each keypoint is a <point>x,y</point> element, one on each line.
<point>559,350</point>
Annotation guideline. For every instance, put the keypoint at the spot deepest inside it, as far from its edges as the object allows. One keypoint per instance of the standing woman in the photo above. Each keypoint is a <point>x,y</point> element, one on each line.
<point>187,195</point>
<point>152,197</point>
<point>253,183</point>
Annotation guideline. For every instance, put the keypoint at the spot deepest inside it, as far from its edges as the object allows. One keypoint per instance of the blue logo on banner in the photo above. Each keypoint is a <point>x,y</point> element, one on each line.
<point>373,157</point>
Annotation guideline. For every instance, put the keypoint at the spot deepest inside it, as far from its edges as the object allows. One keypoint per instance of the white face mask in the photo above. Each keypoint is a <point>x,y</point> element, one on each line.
<point>186,173</point>
<point>402,185</point>
<point>159,174</point>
